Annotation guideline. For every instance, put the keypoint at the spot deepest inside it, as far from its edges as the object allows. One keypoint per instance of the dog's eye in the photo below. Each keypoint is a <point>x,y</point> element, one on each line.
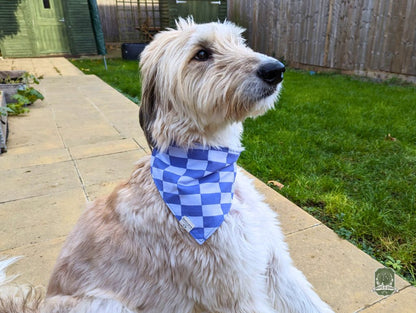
<point>202,55</point>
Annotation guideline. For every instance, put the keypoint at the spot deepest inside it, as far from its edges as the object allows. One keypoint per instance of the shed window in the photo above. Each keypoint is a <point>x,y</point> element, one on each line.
<point>46,4</point>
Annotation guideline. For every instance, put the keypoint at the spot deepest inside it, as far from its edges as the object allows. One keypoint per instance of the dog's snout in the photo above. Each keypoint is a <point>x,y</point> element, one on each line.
<point>271,72</point>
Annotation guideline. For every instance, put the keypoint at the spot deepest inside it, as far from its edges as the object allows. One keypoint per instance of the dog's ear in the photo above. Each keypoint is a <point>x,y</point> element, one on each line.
<point>147,112</point>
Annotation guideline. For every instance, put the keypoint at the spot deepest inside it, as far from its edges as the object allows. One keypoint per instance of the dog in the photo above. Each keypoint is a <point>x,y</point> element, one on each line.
<point>134,251</point>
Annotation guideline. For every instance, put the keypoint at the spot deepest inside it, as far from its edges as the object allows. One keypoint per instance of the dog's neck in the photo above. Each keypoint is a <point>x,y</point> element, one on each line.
<point>228,136</point>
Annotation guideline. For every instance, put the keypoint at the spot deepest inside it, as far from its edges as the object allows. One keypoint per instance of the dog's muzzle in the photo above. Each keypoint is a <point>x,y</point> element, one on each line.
<point>271,72</point>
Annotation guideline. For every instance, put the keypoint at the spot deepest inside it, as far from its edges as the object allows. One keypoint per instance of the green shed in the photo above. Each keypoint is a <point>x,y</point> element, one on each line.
<point>203,11</point>
<point>45,27</point>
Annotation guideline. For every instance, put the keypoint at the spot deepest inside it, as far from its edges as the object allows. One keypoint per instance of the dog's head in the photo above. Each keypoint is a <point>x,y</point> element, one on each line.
<point>199,79</point>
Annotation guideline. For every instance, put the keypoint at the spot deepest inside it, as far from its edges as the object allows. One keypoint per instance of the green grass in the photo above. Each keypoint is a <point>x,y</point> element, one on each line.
<point>330,142</point>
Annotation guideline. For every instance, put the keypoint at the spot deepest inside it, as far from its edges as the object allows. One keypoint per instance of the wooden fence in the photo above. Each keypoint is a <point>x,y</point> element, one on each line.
<point>139,20</point>
<point>109,20</point>
<point>369,37</point>
<point>124,20</point>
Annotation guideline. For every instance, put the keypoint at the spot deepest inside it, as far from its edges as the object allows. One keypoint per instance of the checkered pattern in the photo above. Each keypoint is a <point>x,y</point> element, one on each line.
<point>197,186</point>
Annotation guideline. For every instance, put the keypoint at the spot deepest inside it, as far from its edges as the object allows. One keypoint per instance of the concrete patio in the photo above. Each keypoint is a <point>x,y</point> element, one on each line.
<point>84,138</point>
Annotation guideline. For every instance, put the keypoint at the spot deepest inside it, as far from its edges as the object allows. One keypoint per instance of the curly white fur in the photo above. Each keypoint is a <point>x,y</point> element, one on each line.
<point>128,253</point>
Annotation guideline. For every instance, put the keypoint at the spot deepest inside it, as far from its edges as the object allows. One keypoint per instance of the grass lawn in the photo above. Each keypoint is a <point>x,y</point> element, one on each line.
<point>344,148</point>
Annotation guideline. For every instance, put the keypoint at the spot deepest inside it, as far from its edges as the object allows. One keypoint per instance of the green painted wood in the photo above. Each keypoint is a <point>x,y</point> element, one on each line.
<point>203,11</point>
<point>164,13</point>
<point>27,28</point>
<point>8,22</point>
<point>79,27</point>
<point>50,29</point>
<point>16,35</point>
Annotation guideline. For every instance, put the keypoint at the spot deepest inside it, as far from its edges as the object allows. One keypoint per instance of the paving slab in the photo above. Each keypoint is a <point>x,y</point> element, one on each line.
<point>47,67</point>
<point>403,302</point>
<point>103,148</point>
<point>101,190</point>
<point>23,123</point>
<point>39,116</point>
<point>109,101</point>
<point>38,219</point>
<point>34,128</point>
<point>142,142</point>
<point>37,263</point>
<point>31,158</point>
<point>27,140</point>
<point>343,274</point>
<point>112,167</point>
<point>69,118</point>
<point>92,133</point>
<point>292,218</point>
<point>39,180</point>
<point>32,147</point>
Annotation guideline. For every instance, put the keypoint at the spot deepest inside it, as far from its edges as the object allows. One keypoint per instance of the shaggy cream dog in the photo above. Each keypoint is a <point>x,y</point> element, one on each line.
<point>130,253</point>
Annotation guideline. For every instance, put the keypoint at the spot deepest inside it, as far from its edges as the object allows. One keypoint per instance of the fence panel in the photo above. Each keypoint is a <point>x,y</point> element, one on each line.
<point>361,36</point>
<point>130,20</point>
<point>109,21</point>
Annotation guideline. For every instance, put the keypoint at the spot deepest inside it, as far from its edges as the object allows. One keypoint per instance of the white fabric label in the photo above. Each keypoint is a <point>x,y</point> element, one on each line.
<point>186,223</point>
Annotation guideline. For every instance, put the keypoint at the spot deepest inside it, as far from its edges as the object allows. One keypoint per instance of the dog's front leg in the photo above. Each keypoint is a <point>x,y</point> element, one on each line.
<point>288,289</point>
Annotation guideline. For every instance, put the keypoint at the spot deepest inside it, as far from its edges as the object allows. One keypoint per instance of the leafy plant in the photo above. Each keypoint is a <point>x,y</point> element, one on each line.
<point>5,110</point>
<point>28,95</point>
<point>344,233</point>
<point>25,78</point>
<point>30,78</point>
<point>8,80</point>
<point>25,95</point>
<point>17,108</point>
<point>412,276</point>
<point>395,264</point>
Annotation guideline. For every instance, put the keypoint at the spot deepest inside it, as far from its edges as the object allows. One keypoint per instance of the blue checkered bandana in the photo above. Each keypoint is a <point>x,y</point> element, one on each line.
<point>197,185</point>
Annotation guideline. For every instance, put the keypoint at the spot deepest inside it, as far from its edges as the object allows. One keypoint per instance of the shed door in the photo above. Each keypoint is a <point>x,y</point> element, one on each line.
<point>49,27</point>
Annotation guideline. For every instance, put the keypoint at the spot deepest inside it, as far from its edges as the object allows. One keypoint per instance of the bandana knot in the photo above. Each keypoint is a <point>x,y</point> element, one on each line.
<point>197,185</point>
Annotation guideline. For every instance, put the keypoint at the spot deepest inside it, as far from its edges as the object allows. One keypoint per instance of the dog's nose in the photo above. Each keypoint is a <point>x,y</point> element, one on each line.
<point>271,72</point>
